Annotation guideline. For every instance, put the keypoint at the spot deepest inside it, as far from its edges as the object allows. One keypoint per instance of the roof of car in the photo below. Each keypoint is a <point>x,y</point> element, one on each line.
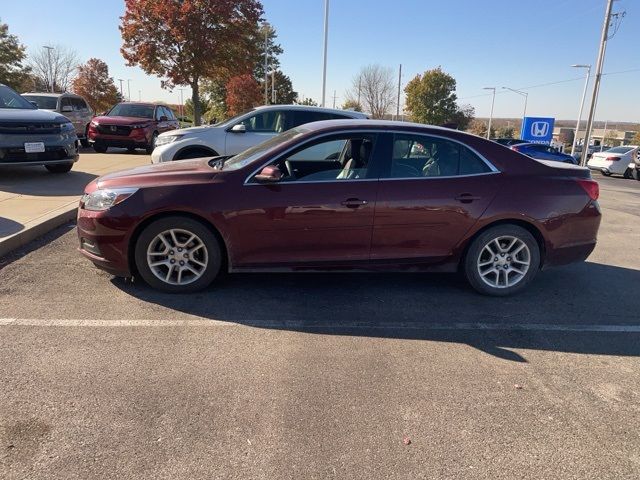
<point>146,104</point>
<point>49,94</point>
<point>378,124</point>
<point>311,109</point>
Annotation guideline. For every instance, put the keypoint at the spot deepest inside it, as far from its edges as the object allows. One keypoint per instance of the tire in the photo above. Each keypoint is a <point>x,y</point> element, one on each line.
<point>100,148</point>
<point>59,168</point>
<point>627,174</point>
<point>636,173</point>
<point>478,253</point>
<point>206,260</point>
<point>195,153</point>
<point>85,141</point>
<point>606,173</point>
<point>152,144</point>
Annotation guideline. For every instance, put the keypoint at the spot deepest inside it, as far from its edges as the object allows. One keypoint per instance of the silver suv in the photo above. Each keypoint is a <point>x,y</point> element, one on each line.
<point>72,106</point>
<point>29,136</point>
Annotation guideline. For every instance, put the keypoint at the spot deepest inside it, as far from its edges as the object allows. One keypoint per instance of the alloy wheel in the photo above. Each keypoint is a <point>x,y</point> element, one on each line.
<point>177,256</point>
<point>504,261</point>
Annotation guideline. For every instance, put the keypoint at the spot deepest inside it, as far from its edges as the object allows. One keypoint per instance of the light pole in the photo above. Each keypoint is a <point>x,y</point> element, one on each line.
<point>129,88</point>
<point>596,81</point>
<point>584,94</point>
<point>493,100</point>
<point>399,86</point>
<point>524,113</point>
<point>121,94</point>
<point>324,53</point>
<point>50,67</point>
<point>182,104</point>
<point>139,95</point>
<point>273,87</point>
<point>266,27</point>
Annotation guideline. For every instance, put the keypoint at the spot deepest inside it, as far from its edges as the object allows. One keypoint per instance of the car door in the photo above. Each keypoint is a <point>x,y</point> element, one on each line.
<point>260,126</point>
<point>69,110</point>
<point>312,216</point>
<point>430,195</point>
<point>83,116</point>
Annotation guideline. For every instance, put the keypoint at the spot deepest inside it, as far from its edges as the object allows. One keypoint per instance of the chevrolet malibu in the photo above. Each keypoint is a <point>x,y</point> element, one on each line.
<point>344,194</point>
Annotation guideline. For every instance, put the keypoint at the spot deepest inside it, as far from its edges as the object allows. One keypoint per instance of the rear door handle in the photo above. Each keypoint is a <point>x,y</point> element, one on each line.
<point>467,198</point>
<point>353,203</point>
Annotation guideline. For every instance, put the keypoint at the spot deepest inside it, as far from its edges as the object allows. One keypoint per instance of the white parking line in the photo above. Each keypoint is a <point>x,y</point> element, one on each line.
<point>312,325</point>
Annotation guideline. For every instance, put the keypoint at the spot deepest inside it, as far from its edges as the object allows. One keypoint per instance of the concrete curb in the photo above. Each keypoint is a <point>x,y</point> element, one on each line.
<point>43,225</point>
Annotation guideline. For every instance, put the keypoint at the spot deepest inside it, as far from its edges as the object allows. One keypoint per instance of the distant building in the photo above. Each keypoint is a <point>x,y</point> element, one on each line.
<point>614,137</point>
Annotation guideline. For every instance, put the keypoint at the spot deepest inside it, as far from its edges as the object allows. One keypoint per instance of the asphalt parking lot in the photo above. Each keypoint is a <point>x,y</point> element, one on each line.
<point>323,376</point>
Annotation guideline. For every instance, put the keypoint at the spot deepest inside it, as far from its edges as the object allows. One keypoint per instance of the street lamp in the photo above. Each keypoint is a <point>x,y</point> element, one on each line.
<point>324,52</point>
<point>50,66</point>
<point>493,99</point>
<point>129,88</point>
<point>584,94</point>
<point>526,97</point>
<point>266,28</point>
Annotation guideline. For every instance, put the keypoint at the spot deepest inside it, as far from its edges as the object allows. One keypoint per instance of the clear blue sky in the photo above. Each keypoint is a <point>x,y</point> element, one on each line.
<point>481,43</point>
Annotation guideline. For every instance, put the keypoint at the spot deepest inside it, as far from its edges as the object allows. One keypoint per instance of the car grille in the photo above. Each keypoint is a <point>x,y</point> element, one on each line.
<point>17,154</point>
<point>114,130</point>
<point>28,128</point>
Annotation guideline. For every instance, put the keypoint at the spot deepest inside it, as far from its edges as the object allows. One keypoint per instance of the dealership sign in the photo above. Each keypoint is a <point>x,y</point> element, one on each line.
<point>537,129</point>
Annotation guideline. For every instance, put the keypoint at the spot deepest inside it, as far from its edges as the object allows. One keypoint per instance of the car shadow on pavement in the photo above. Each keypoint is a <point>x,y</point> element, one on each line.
<point>38,181</point>
<point>586,308</point>
<point>9,227</point>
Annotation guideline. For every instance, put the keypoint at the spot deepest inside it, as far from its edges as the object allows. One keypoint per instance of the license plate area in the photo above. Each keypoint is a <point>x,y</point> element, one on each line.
<point>34,147</point>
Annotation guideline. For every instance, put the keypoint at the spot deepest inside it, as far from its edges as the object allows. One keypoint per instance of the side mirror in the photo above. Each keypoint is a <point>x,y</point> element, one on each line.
<point>67,108</point>
<point>164,118</point>
<point>239,128</point>
<point>269,174</point>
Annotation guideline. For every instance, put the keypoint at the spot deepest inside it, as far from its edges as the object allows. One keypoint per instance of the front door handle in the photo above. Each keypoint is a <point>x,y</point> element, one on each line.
<point>467,198</point>
<point>353,203</point>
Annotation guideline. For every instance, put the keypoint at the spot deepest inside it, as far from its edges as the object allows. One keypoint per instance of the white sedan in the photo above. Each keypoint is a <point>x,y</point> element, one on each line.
<point>616,160</point>
<point>241,132</point>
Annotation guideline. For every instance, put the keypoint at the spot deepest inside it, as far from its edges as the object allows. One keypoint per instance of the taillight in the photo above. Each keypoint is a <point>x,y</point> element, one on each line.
<point>614,159</point>
<point>591,187</point>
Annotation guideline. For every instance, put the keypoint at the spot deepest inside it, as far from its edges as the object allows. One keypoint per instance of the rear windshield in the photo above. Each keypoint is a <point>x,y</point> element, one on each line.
<point>131,110</point>
<point>619,150</point>
<point>10,99</point>
<point>44,102</point>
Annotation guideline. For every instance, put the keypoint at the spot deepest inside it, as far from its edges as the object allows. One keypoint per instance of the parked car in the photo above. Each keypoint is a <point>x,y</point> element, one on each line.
<point>590,151</point>
<point>507,142</point>
<point>617,160</point>
<point>29,136</point>
<point>131,125</point>
<point>344,194</point>
<point>72,106</point>
<point>241,132</point>
<point>540,151</point>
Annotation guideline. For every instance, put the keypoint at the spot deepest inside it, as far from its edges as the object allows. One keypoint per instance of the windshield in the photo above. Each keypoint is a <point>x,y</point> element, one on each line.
<point>131,110</point>
<point>232,119</point>
<point>10,99</point>
<point>619,150</point>
<point>246,157</point>
<point>46,103</point>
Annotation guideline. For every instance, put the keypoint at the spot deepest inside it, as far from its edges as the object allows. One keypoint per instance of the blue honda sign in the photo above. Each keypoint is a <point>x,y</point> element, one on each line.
<point>537,129</point>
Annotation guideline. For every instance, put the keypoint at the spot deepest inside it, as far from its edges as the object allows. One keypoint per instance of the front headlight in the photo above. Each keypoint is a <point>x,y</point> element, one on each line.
<point>163,140</point>
<point>140,125</point>
<point>66,127</point>
<point>103,199</point>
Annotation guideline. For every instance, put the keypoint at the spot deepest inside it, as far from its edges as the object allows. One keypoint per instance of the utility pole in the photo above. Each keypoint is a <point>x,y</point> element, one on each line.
<point>604,135</point>
<point>334,99</point>
<point>526,97</point>
<point>399,85</point>
<point>273,87</point>
<point>596,82</point>
<point>182,102</point>
<point>584,94</point>
<point>139,95</point>
<point>129,88</point>
<point>493,100</point>
<point>121,94</point>
<point>266,62</point>
<point>324,54</point>
<point>359,88</point>
<point>50,66</point>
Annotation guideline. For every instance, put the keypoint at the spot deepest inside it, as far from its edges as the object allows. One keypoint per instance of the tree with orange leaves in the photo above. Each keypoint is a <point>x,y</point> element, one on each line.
<point>185,41</point>
<point>243,93</point>
<point>95,85</point>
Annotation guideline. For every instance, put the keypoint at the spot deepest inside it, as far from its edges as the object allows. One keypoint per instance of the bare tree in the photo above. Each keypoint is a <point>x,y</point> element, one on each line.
<point>54,68</point>
<point>374,89</point>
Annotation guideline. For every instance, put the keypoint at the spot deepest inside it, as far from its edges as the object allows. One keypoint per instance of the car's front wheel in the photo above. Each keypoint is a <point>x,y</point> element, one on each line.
<point>152,143</point>
<point>502,260</point>
<point>178,255</point>
<point>60,168</point>
<point>100,148</point>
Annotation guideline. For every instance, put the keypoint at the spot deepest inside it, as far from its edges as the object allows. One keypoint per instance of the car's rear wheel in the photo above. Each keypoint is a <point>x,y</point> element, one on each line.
<point>100,148</point>
<point>85,141</point>
<point>60,168</point>
<point>178,255</point>
<point>605,172</point>
<point>502,260</point>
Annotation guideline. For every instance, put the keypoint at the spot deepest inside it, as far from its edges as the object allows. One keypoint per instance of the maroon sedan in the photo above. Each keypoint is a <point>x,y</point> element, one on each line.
<point>131,125</point>
<point>346,194</point>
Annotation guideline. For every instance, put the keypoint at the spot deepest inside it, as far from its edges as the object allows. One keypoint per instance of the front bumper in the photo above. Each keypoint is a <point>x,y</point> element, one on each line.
<point>104,239</point>
<point>59,149</point>
<point>165,153</point>
<point>137,138</point>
